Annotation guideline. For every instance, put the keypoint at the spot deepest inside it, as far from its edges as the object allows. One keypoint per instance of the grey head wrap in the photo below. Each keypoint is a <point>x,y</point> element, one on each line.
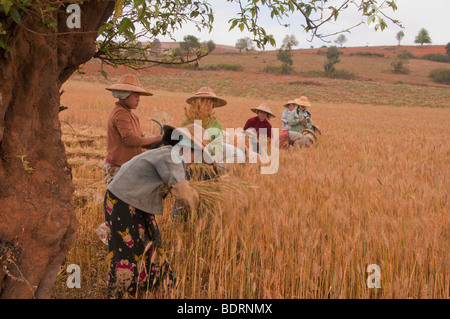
<point>122,95</point>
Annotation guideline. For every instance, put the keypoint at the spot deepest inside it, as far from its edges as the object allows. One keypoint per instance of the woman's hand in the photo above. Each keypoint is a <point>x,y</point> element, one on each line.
<point>149,142</point>
<point>186,196</point>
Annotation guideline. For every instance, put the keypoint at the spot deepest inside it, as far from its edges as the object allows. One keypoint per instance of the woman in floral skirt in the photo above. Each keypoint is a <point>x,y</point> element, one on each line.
<point>135,251</point>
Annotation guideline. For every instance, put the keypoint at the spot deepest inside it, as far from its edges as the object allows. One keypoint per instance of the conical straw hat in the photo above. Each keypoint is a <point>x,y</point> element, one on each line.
<point>207,92</point>
<point>290,102</point>
<point>302,101</point>
<point>129,83</point>
<point>265,108</point>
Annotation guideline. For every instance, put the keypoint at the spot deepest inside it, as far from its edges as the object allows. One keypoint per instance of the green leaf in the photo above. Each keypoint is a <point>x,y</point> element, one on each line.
<point>308,11</point>
<point>233,24</point>
<point>103,28</point>
<point>336,14</point>
<point>241,27</point>
<point>138,3</point>
<point>22,6</point>
<point>7,6</point>
<point>118,8</point>
<point>6,47</point>
<point>104,74</point>
<point>392,5</point>
<point>291,6</point>
<point>125,24</point>
<point>273,42</point>
<point>15,15</point>
<point>370,19</point>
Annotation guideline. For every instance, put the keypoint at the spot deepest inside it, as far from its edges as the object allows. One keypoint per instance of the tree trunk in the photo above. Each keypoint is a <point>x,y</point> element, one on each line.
<point>37,218</point>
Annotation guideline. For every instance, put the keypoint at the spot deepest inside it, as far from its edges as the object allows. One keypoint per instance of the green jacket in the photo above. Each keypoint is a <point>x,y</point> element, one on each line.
<point>295,116</point>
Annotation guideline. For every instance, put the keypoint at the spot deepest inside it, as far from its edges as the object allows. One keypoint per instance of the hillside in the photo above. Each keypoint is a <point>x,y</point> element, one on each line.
<point>369,77</point>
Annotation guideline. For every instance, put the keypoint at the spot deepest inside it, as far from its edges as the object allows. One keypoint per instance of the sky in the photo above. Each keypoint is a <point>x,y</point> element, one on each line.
<point>413,15</point>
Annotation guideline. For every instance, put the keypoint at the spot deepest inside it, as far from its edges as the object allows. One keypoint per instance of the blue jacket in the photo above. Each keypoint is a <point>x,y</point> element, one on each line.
<point>285,119</point>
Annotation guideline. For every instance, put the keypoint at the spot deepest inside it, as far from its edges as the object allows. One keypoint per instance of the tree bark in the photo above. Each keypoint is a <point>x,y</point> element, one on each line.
<point>37,216</point>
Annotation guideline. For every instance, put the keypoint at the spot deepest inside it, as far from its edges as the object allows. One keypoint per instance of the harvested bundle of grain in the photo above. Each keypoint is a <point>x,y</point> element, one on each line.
<point>214,191</point>
<point>197,111</point>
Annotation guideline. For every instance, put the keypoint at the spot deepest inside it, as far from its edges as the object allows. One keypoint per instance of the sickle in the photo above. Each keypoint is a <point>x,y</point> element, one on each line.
<point>161,130</point>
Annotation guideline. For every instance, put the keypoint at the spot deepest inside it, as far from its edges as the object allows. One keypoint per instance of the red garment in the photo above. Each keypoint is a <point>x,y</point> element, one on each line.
<point>257,124</point>
<point>124,138</point>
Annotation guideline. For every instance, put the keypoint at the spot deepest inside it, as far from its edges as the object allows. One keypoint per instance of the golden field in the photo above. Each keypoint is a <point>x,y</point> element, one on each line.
<point>374,190</point>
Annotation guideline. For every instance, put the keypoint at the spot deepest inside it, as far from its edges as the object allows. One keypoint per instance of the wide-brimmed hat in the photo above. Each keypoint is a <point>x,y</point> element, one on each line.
<point>310,133</point>
<point>207,92</point>
<point>302,101</point>
<point>196,135</point>
<point>265,108</point>
<point>129,83</point>
<point>290,102</point>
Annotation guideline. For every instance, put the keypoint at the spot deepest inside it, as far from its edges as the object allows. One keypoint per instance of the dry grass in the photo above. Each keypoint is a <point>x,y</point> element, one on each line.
<point>373,191</point>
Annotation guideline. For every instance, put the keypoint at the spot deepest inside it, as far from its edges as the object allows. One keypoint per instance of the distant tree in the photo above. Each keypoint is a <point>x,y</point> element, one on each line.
<point>341,39</point>
<point>289,41</point>
<point>156,47</point>
<point>240,44</point>
<point>332,59</point>
<point>285,56</point>
<point>209,45</point>
<point>285,52</point>
<point>447,48</point>
<point>399,36</point>
<point>190,42</point>
<point>423,37</point>
<point>177,52</point>
<point>244,43</point>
